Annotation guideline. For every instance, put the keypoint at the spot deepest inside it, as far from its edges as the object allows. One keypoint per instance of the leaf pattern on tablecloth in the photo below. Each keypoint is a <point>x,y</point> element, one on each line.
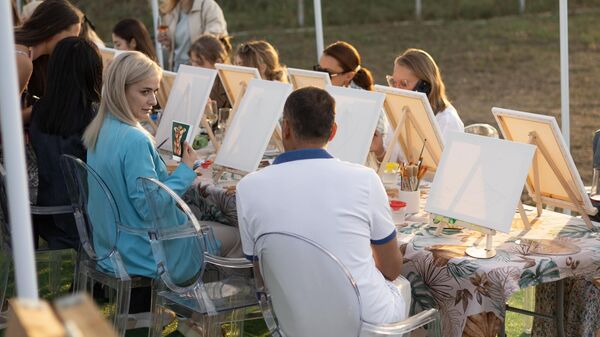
<point>464,296</point>
<point>502,282</point>
<point>437,279</point>
<point>546,271</point>
<point>462,269</point>
<point>529,262</point>
<point>481,283</point>
<point>576,231</point>
<point>452,319</point>
<point>421,296</point>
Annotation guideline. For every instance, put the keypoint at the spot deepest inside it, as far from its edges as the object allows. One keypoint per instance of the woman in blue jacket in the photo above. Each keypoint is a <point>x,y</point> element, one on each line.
<point>120,150</point>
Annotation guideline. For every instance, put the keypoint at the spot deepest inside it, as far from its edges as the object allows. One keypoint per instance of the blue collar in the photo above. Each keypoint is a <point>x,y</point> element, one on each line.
<point>301,154</point>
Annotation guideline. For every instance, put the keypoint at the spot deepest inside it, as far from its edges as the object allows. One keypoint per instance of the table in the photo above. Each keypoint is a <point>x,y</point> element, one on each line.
<point>470,293</point>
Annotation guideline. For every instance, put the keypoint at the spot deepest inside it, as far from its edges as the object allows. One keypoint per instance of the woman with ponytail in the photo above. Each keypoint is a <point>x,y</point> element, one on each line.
<point>262,56</point>
<point>343,64</point>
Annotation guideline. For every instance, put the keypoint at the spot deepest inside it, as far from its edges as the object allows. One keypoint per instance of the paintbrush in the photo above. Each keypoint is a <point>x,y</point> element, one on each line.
<point>421,154</point>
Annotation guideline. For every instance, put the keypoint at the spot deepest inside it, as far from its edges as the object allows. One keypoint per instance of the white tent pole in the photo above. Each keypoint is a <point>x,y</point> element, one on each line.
<point>155,18</point>
<point>564,71</point>
<point>318,28</point>
<point>14,159</point>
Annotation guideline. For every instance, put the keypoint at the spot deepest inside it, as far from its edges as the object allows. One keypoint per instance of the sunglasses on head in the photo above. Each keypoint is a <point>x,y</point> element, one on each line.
<point>325,70</point>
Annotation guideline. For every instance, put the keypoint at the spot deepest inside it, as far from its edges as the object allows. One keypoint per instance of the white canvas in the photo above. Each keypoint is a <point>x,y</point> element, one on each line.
<point>356,114</point>
<point>234,78</point>
<point>186,103</point>
<point>252,125</point>
<point>301,78</point>
<point>480,180</point>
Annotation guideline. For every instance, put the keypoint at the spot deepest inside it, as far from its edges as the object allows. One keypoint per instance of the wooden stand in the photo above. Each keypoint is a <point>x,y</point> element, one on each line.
<point>408,123</point>
<point>476,252</point>
<point>573,202</point>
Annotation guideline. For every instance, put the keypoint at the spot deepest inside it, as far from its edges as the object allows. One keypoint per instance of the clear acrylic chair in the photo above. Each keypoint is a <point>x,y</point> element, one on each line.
<point>209,304</point>
<point>304,290</point>
<point>482,130</point>
<point>99,234</point>
<point>52,260</point>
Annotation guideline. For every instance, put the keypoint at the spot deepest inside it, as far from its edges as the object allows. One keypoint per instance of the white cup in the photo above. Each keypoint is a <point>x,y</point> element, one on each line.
<point>412,200</point>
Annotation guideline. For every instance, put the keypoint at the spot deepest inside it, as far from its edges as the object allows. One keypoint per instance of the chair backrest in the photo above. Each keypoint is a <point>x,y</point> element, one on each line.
<point>96,213</point>
<point>309,291</point>
<point>596,149</point>
<point>482,130</point>
<point>176,234</point>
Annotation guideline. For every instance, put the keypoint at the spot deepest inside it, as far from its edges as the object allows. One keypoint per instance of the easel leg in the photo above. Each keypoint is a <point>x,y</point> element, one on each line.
<point>524,216</point>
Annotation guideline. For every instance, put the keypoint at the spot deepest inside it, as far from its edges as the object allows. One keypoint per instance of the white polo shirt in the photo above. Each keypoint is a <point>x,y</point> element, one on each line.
<point>340,205</point>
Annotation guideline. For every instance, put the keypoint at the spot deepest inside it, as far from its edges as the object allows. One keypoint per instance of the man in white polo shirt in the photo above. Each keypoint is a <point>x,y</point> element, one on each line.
<point>340,205</point>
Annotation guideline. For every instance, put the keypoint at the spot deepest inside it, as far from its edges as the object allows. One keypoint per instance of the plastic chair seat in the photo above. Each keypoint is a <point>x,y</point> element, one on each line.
<point>225,296</point>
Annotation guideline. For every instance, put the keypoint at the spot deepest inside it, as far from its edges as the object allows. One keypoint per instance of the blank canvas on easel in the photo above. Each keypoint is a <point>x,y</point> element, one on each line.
<point>520,127</point>
<point>235,78</point>
<point>187,101</point>
<point>252,126</point>
<point>480,180</point>
<point>412,111</point>
<point>301,78</point>
<point>356,115</point>
<point>108,54</point>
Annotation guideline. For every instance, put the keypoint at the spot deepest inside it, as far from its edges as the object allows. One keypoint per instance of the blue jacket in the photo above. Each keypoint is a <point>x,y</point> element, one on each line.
<point>122,154</point>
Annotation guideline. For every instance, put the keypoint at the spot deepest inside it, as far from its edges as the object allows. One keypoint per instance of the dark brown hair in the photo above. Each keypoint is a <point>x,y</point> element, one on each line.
<point>129,29</point>
<point>310,113</point>
<point>349,59</point>
<point>212,49</point>
<point>49,18</point>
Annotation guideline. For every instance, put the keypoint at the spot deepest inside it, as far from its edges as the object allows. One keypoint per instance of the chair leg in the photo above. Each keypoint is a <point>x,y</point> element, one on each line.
<point>560,313</point>
<point>123,297</point>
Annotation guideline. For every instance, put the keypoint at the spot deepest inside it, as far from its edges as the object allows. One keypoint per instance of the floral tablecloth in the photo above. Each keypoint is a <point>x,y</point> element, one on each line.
<point>464,288</point>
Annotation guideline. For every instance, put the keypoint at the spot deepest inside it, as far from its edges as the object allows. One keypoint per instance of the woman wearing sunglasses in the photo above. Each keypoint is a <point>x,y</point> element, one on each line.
<point>416,70</point>
<point>343,64</point>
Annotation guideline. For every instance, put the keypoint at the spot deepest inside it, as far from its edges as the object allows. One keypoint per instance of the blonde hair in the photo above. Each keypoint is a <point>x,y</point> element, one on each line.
<point>168,5</point>
<point>425,68</point>
<point>257,53</point>
<point>126,69</point>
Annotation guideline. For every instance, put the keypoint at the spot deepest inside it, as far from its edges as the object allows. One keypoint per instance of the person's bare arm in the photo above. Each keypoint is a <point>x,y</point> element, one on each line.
<point>388,259</point>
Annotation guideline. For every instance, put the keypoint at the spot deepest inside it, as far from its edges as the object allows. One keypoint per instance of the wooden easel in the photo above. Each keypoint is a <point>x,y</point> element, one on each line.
<point>574,202</point>
<point>407,122</point>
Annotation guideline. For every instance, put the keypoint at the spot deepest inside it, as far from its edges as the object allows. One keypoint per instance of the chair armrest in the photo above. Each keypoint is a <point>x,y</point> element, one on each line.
<point>402,327</point>
<point>235,263</point>
<point>50,210</point>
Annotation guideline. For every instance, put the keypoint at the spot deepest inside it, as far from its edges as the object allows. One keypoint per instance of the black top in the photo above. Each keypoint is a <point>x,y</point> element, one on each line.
<point>58,230</point>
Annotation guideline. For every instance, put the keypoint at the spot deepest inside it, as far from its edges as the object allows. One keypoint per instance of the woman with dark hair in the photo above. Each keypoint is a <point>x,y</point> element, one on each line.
<point>57,125</point>
<point>131,34</point>
<point>205,52</point>
<point>343,64</point>
<point>52,21</point>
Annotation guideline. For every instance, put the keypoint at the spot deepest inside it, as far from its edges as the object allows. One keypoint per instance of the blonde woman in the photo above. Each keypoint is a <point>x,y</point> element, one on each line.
<point>416,70</point>
<point>262,56</point>
<point>185,22</point>
<point>120,150</point>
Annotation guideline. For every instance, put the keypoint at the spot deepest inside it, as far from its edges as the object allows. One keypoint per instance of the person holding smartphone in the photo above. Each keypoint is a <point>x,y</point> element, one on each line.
<point>416,70</point>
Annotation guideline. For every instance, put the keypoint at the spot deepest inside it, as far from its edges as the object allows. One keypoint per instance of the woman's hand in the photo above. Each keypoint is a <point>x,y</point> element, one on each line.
<point>189,156</point>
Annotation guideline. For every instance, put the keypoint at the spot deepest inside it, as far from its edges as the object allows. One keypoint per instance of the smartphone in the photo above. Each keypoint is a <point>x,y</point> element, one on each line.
<point>423,86</point>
